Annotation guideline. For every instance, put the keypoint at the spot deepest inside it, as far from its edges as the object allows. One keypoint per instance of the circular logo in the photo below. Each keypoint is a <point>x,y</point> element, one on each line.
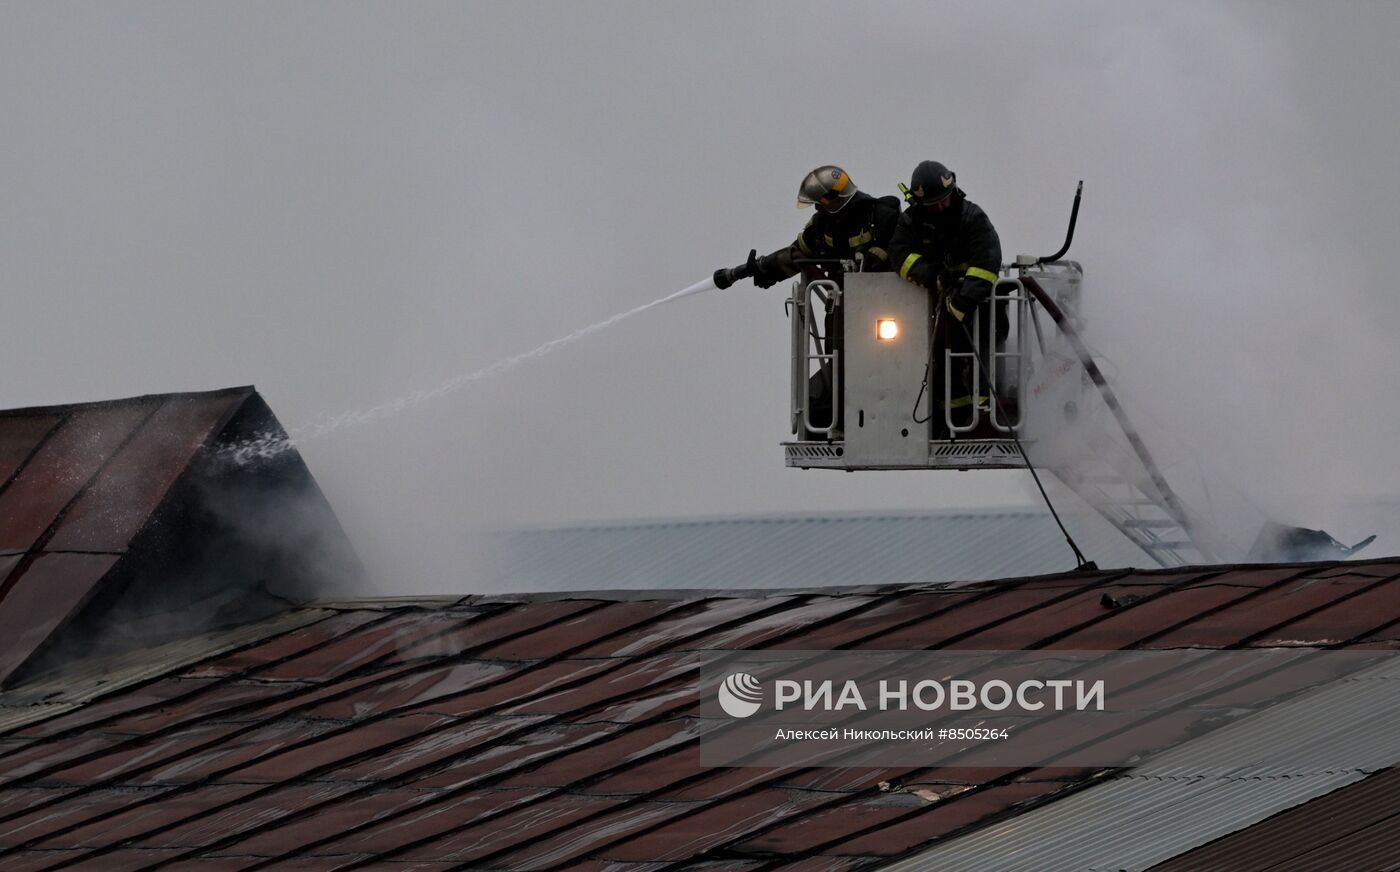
<point>740,695</point>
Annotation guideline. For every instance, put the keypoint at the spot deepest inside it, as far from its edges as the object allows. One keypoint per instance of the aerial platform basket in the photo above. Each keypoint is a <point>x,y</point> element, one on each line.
<point>864,345</point>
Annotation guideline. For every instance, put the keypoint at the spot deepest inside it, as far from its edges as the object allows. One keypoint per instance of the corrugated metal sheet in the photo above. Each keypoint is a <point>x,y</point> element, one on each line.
<point>523,732</point>
<point>1199,791</point>
<point>796,551</point>
<point>1350,828</point>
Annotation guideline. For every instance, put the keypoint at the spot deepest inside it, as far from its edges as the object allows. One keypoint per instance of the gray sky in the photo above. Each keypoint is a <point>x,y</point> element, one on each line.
<point>344,203</point>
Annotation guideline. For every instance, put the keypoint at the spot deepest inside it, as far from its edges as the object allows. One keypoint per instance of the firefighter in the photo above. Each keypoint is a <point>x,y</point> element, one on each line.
<point>947,244</point>
<point>849,224</point>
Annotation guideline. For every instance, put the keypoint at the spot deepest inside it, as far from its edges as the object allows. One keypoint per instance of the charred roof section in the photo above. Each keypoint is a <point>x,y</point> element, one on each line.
<point>128,522</point>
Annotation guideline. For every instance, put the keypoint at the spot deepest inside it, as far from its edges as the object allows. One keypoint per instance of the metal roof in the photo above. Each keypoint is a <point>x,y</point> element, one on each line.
<point>1350,828</point>
<point>522,732</point>
<point>102,503</point>
<point>796,551</point>
<point>1198,791</point>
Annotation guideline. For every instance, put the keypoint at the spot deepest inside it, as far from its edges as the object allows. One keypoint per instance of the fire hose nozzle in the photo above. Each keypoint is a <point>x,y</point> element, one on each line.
<point>725,277</point>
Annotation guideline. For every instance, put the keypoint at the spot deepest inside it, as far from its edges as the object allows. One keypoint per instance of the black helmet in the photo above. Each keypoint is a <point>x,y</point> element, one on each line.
<point>932,183</point>
<point>829,187</point>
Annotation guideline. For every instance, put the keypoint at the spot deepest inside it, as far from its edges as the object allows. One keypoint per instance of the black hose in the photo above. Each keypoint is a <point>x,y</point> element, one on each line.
<point>1082,564</point>
<point>1069,236</point>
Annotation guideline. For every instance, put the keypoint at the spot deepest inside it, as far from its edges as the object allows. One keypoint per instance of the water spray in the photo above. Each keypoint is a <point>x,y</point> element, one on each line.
<point>271,445</point>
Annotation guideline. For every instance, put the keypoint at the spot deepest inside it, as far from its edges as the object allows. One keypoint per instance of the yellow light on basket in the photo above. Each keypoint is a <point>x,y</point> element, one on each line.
<point>886,329</point>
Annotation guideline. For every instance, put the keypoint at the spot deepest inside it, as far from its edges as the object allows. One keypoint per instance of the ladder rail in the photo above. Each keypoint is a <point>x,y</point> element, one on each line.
<point>1211,547</point>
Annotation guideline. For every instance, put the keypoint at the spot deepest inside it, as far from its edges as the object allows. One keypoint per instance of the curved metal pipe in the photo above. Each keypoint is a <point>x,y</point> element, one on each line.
<point>1069,236</point>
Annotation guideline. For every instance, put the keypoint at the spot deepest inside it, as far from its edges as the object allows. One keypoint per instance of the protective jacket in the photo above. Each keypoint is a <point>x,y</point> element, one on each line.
<point>955,252</point>
<point>862,227</point>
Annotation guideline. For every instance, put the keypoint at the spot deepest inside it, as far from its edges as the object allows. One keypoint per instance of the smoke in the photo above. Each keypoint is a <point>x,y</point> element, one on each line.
<point>1228,292</point>
<point>336,209</point>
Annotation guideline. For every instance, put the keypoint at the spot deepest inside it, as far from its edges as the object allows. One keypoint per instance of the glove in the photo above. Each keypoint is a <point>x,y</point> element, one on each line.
<point>924,275</point>
<point>765,271</point>
<point>971,293</point>
<point>958,305</point>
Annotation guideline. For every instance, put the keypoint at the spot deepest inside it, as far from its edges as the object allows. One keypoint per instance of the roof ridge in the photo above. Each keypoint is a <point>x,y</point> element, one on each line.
<point>245,390</point>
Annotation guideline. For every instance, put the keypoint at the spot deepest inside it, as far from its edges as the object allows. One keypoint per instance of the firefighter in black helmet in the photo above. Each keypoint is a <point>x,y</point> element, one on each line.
<point>946,243</point>
<point>849,224</point>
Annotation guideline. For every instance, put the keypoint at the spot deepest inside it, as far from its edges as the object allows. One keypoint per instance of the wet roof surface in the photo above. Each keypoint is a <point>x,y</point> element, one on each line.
<point>1352,828</point>
<point>560,732</point>
<point>77,484</point>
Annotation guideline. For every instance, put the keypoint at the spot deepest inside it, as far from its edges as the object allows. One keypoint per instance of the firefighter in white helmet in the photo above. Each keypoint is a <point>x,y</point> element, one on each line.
<point>848,224</point>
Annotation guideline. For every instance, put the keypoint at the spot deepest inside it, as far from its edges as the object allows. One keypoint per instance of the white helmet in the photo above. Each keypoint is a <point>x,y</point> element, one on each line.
<point>829,187</point>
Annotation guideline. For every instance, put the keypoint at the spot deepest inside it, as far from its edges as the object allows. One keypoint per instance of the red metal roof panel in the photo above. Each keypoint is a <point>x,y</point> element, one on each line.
<point>1338,621</point>
<point>497,627</point>
<point>626,746</point>
<point>110,821</point>
<point>352,814</point>
<point>701,617</point>
<point>942,818</point>
<point>1270,607</point>
<point>579,631</point>
<point>764,628</point>
<point>423,751</point>
<point>126,756</point>
<point>713,824</point>
<point>525,684</point>
<point>469,830</point>
<point>374,694</point>
<point>838,822</point>
<point>978,609</point>
<point>19,436</point>
<point>204,700</point>
<point>186,822</point>
<point>7,562</point>
<point>1135,622</point>
<point>348,651</point>
<point>41,597</point>
<point>124,494</point>
<point>573,842</point>
<point>820,864</point>
<point>269,653</point>
<point>64,464</point>
<point>197,761</point>
<point>1082,607</point>
<point>872,624</point>
<point>340,746</point>
<point>121,860</point>
<point>613,682</point>
<point>133,700</point>
<point>533,743</point>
